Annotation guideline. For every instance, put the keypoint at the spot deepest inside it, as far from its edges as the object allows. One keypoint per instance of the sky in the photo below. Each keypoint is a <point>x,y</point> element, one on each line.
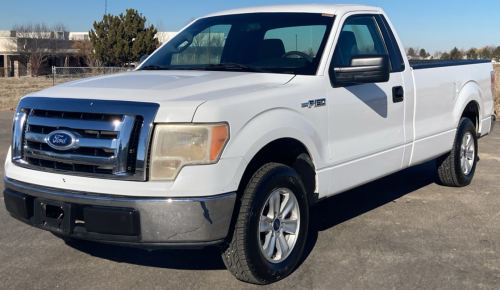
<point>437,25</point>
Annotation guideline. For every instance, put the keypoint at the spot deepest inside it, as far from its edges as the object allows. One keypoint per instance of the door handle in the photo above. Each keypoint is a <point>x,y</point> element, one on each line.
<point>398,94</point>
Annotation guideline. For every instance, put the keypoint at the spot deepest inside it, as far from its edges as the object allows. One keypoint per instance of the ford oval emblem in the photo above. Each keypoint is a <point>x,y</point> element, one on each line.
<point>62,140</point>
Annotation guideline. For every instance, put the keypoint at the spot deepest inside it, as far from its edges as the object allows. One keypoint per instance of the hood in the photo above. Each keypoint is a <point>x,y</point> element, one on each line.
<point>179,93</point>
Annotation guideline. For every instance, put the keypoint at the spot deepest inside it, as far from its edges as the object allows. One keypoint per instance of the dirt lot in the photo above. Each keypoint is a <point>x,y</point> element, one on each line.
<point>13,89</point>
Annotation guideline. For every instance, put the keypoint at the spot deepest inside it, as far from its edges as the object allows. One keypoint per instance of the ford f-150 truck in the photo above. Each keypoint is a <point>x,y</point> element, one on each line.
<point>228,132</point>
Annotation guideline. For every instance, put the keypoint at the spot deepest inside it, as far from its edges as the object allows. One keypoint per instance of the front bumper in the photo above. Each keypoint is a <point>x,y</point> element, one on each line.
<point>142,222</point>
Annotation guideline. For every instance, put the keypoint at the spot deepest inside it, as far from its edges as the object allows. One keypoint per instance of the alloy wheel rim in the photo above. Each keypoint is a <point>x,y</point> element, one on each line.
<point>279,225</point>
<point>467,153</point>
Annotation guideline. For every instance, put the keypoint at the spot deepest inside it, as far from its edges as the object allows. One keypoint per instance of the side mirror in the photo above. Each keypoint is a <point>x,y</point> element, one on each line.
<point>143,58</point>
<point>362,69</point>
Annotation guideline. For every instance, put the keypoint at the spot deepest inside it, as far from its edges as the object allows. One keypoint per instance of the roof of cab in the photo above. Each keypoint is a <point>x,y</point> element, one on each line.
<point>304,8</point>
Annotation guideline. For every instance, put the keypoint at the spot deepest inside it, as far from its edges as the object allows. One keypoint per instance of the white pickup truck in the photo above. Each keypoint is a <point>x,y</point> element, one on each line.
<point>227,134</point>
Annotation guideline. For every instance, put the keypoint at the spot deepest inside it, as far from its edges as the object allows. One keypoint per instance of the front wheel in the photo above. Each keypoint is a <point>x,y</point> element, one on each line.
<point>457,167</point>
<point>271,228</point>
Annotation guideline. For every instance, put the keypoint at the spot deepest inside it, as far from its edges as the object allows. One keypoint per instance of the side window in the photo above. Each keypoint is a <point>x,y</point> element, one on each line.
<point>360,35</point>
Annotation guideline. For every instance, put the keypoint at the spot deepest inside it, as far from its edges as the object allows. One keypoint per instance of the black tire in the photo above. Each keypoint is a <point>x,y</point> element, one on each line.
<point>242,253</point>
<point>304,166</point>
<point>449,165</point>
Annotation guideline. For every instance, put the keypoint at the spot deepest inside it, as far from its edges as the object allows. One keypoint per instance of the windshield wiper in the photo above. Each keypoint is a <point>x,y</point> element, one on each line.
<point>229,65</point>
<point>155,67</point>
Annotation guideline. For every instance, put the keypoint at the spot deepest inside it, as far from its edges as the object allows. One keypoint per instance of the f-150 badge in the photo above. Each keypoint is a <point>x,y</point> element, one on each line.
<point>314,103</point>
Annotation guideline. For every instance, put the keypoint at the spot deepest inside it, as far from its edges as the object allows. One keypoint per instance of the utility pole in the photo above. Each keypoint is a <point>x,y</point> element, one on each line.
<point>105,7</point>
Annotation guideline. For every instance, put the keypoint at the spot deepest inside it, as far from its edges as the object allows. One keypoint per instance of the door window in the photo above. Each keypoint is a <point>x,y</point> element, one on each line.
<point>359,36</point>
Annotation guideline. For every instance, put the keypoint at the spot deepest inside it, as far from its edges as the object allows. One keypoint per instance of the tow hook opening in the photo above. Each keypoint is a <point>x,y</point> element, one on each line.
<point>52,211</point>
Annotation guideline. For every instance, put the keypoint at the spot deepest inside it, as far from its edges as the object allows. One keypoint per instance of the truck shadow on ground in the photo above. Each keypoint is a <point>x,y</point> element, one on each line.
<point>323,216</point>
<point>355,202</point>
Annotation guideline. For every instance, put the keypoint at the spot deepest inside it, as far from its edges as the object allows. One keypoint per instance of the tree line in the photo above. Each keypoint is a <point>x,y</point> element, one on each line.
<point>487,52</point>
<point>121,40</point>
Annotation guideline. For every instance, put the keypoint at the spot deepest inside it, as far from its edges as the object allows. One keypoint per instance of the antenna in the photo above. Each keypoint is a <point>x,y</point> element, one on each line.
<point>105,7</point>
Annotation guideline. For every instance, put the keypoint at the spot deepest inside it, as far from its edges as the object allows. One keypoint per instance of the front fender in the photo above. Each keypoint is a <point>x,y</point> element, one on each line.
<point>275,124</point>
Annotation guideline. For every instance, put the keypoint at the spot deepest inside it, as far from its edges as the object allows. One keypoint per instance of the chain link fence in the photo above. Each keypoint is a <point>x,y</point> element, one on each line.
<point>65,74</point>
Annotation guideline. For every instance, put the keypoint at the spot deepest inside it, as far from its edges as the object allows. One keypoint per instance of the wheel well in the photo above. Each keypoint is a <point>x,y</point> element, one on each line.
<point>286,151</point>
<point>471,112</point>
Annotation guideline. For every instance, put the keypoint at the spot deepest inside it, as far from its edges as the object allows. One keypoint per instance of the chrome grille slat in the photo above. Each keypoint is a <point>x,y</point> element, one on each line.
<point>18,133</point>
<point>69,158</point>
<point>110,138</point>
<point>83,142</point>
<point>74,124</point>
<point>121,152</point>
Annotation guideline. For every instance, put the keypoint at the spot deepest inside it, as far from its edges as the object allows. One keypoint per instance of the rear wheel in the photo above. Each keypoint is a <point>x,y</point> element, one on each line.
<point>271,227</point>
<point>457,167</point>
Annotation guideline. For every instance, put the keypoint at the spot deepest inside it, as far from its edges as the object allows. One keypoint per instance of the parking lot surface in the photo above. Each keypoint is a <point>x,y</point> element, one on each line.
<point>401,232</point>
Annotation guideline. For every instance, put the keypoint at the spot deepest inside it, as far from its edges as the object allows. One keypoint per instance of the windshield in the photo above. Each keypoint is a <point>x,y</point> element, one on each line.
<point>289,43</point>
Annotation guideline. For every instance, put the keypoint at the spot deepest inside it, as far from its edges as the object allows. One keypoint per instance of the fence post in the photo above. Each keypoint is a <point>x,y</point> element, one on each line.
<point>53,75</point>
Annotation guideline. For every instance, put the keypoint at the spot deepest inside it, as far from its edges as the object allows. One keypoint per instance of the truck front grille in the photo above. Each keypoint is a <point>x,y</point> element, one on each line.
<point>110,143</point>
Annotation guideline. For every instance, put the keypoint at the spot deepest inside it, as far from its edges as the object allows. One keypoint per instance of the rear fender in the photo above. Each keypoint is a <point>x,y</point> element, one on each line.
<point>470,92</point>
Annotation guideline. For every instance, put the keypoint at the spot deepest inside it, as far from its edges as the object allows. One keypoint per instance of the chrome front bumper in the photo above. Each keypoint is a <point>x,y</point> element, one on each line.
<point>164,222</point>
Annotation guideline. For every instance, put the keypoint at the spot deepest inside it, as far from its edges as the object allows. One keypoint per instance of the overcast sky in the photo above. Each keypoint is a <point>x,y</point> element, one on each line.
<point>430,24</point>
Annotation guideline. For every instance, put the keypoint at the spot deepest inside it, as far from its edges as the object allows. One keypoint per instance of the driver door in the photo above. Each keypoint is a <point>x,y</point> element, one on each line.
<point>366,133</point>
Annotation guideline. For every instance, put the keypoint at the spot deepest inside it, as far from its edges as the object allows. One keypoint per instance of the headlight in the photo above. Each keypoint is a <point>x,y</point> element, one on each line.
<point>175,146</point>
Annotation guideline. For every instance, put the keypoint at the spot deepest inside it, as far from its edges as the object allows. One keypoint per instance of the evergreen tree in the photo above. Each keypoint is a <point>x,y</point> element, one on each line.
<point>445,56</point>
<point>496,53</point>
<point>455,54</point>
<point>423,53</point>
<point>411,52</point>
<point>471,54</point>
<point>486,54</point>
<point>122,39</point>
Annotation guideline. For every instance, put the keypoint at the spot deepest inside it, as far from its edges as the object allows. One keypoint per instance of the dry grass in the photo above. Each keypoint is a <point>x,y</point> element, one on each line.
<point>13,89</point>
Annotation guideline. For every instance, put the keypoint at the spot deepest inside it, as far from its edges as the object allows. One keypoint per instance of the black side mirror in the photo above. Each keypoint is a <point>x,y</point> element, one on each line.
<point>143,58</point>
<point>362,69</point>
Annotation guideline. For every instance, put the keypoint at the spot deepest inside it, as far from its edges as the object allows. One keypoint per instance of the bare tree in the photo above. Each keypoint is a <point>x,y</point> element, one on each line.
<point>162,36</point>
<point>216,42</point>
<point>85,50</point>
<point>463,51</point>
<point>310,51</point>
<point>416,49</point>
<point>199,41</point>
<point>36,42</point>
<point>61,27</point>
